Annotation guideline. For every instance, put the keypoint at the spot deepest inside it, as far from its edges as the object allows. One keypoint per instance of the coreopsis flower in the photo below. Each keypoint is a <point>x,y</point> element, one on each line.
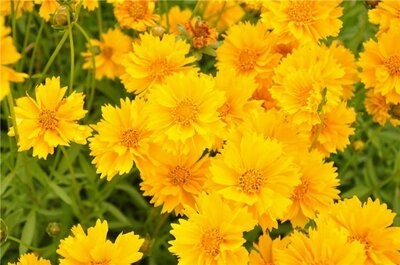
<point>122,138</point>
<point>385,14</point>
<point>185,112</point>
<point>332,134</point>
<point>306,20</point>
<point>90,5</point>
<point>153,59</point>
<point>381,65</point>
<point>93,247</point>
<point>264,251</point>
<point>113,47</point>
<point>367,223</point>
<point>50,120</point>
<point>201,33</point>
<point>263,180</point>
<point>222,14</point>
<point>318,189</point>
<point>136,14</point>
<point>381,111</point>
<point>19,5</point>
<point>30,259</point>
<point>324,245</point>
<point>212,234</point>
<point>173,180</point>
<point>303,88</point>
<point>47,8</point>
<point>176,17</point>
<point>248,49</point>
<point>9,55</point>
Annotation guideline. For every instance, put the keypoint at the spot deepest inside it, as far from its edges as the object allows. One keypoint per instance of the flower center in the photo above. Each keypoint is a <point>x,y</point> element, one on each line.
<point>300,190</point>
<point>47,119</point>
<point>185,112</point>
<point>137,9</point>
<point>361,239</point>
<point>103,262</point>
<point>247,59</point>
<point>107,51</point>
<point>159,69</point>
<point>130,138</point>
<point>251,181</point>
<point>392,64</point>
<point>179,175</point>
<point>224,110</point>
<point>300,11</point>
<point>210,241</point>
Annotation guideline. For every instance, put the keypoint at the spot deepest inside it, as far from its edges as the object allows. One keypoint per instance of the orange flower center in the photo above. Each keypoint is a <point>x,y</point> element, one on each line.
<point>392,64</point>
<point>210,241</point>
<point>137,9</point>
<point>107,51</point>
<point>251,181</point>
<point>179,175</point>
<point>130,138</point>
<point>185,112</point>
<point>300,191</point>
<point>300,12</point>
<point>361,239</point>
<point>103,262</point>
<point>247,59</point>
<point>47,119</point>
<point>159,69</point>
<point>224,110</point>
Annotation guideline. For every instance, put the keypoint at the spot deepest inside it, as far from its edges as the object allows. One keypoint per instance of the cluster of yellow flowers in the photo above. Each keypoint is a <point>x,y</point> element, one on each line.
<point>228,152</point>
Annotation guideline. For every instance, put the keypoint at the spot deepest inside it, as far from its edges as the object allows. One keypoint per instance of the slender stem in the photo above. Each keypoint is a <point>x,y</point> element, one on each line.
<point>195,9</point>
<point>28,31</point>
<point>91,95</point>
<point>53,56</point>
<point>100,21</point>
<point>73,176</point>
<point>25,244</point>
<point>165,6</point>
<point>10,101</point>
<point>39,34</point>
<point>14,20</point>
<point>72,54</point>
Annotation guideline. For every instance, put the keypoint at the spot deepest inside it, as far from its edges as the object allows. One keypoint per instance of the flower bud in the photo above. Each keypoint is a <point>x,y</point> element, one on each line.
<point>372,3</point>
<point>3,232</point>
<point>53,229</point>
<point>158,31</point>
<point>358,145</point>
<point>60,17</point>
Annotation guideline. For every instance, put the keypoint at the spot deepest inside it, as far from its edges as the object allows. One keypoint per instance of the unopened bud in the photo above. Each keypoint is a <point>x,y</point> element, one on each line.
<point>60,17</point>
<point>158,31</point>
<point>358,145</point>
<point>372,3</point>
<point>53,229</point>
<point>3,231</point>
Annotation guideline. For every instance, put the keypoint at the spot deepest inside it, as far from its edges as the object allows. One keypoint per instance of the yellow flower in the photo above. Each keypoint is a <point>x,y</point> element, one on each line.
<point>333,132</point>
<point>317,190</point>
<point>173,180</point>
<point>367,223</point>
<point>9,55</point>
<point>19,5</point>
<point>306,20</point>
<point>255,172</point>
<point>30,259</point>
<point>135,14</point>
<point>324,245</point>
<point>93,247</point>
<point>50,120</point>
<point>381,65</point>
<point>386,14</point>
<point>90,5</point>
<point>201,34</point>
<point>303,87</point>
<point>154,59</point>
<point>380,110</point>
<point>185,112</point>
<point>264,251</point>
<point>213,233</point>
<point>47,8</point>
<point>248,49</point>
<point>222,14</point>
<point>176,17</point>
<point>112,50</point>
<point>122,138</point>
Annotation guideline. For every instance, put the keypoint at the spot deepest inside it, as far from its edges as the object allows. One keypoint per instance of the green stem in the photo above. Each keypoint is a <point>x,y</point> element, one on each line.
<point>379,185</point>
<point>91,95</point>
<point>28,31</point>
<point>100,21</point>
<point>10,101</point>
<point>165,6</point>
<point>73,176</point>
<point>195,9</point>
<point>72,55</point>
<point>14,20</point>
<point>53,56</point>
<point>25,244</point>
<point>39,34</point>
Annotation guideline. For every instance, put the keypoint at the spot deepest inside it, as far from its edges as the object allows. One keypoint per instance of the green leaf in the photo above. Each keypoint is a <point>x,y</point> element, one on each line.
<point>136,196</point>
<point>60,192</point>
<point>115,212</point>
<point>6,182</point>
<point>28,232</point>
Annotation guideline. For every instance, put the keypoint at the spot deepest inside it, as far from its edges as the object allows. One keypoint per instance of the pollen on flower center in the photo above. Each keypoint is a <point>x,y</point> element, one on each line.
<point>47,119</point>
<point>251,181</point>
<point>210,241</point>
<point>300,191</point>
<point>224,110</point>
<point>137,9</point>
<point>247,59</point>
<point>179,175</point>
<point>361,239</point>
<point>130,138</point>
<point>185,112</point>
<point>392,64</point>
<point>300,12</point>
<point>159,69</point>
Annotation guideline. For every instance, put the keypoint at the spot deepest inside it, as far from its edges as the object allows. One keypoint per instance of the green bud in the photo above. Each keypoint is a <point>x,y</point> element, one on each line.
<point>3,231</point>
<point>53,229</point>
